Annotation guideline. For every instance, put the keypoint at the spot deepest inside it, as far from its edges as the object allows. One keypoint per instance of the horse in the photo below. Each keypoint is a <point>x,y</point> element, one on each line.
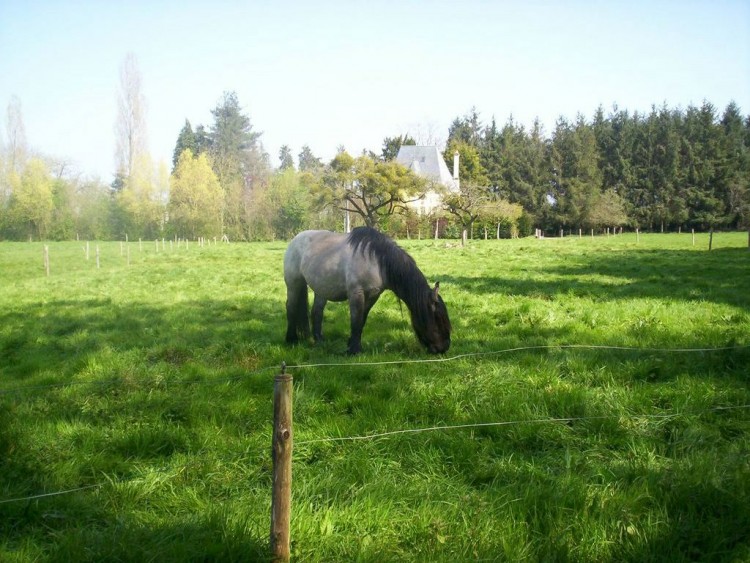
<point>358,267</point>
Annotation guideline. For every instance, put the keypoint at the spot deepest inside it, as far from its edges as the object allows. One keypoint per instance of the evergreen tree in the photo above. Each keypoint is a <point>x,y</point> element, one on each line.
<point>238,162</point>
<point>467,129</point>
<point>285,156</point>
<point>185,141</point>
<point>734,168</point>
<point>308,162</point>
<point>391,146</point>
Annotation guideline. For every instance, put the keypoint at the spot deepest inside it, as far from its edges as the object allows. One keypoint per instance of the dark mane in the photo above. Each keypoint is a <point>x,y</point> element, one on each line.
<point>399,269</point>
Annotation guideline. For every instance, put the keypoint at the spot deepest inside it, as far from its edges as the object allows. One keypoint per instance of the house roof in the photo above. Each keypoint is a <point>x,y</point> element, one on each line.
<point>427,162</point>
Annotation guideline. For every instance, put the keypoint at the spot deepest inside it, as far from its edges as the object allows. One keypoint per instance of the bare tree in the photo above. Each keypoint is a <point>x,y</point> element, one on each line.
<point>130,127</point>
<point>16,136</point>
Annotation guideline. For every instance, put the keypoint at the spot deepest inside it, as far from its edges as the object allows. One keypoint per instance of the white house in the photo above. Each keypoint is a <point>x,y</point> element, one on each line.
<point>427,162</point>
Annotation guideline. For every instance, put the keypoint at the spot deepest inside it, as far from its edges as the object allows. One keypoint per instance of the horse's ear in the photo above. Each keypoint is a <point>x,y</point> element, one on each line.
<point>436,291</point>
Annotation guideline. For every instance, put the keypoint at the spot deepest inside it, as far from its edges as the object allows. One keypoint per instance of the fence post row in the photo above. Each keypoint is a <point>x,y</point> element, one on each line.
<point>281,496</point>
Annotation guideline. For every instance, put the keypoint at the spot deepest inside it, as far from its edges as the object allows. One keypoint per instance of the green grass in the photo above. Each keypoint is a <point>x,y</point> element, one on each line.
<point>153,381</point>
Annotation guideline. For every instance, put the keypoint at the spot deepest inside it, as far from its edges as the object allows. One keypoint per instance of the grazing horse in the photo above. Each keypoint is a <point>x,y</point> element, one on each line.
<point>358,267</point>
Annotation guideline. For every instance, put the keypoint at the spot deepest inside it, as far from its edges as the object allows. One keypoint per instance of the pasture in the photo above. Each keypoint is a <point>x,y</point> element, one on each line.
<point>145,390</point>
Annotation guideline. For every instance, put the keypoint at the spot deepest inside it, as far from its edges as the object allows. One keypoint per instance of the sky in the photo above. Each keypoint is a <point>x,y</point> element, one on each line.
<point>333,73</point>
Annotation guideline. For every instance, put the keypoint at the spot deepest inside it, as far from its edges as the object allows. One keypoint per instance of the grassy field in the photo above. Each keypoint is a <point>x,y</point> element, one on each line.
<point>150,383</point>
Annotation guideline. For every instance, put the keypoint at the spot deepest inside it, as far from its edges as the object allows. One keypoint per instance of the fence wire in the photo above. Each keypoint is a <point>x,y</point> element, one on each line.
<point>411,431</point>
<point>355,364</point>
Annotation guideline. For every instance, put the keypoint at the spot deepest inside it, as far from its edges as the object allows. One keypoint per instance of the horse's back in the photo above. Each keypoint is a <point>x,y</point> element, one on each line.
<point>318,259</point>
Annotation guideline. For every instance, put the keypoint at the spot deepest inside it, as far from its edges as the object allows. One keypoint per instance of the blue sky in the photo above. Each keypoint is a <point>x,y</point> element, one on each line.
<point>351,73</point>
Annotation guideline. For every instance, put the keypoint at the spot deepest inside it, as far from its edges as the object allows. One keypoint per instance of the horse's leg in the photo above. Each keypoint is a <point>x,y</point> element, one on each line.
<point>319,304</point>
<point>359,308</point>
<point>296,312</point>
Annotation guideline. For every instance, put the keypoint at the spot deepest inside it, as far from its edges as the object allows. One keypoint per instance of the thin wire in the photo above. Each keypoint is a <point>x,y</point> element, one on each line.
<point>391,362</point>
<point>113,381</point>
<point>51,494</point>
<point>507,423</point>
<point>519,349</point>
<point>414,431</point>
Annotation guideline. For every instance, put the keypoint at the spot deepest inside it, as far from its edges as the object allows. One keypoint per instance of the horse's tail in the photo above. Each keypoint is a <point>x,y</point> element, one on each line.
<point>298,321</point>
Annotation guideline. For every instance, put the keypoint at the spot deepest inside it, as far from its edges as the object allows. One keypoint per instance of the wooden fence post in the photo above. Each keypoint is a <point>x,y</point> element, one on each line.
<point>46,259</point>
<point>281,497</point>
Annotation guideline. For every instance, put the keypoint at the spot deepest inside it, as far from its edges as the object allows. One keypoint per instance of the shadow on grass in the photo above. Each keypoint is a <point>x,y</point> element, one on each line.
<point>58,338</point>
<point>81,527</point>
<point>722,276</point>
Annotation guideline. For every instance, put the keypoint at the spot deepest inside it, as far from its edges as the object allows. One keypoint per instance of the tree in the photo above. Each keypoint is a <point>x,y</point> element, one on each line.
<point>185,141</point>
<point>467,205</point>
<point>467,129</point>
<point>576,176</point>
<point>607,210</point>
<point>391,145</point>
<point>93,210</point>
<point>369,188</point>
<point>237,160</point>
<point>141,205</point>
<point>289,202</point>
<point>734,168</point>
<point>470,167</point>
<point>308,162</point>
<point>62,222</point>
<point>196,198</point>
<point>285,156</point>
<point>16,134</point>
<point>130,126</point>
<point>31,205</point>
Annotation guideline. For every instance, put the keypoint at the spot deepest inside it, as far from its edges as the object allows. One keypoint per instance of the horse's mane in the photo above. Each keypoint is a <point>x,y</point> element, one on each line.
<point>399,269</point>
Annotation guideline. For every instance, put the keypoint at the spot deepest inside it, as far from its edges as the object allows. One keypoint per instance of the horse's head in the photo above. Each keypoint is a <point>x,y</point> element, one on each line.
<point>433,328</point>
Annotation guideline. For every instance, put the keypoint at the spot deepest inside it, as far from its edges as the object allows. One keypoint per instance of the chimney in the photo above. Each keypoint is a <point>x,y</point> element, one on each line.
<point>455,167</point>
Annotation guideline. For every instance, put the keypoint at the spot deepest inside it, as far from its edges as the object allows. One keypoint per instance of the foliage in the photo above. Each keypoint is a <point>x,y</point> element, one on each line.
<point>671,167</point>
<point>286,159</point>
<point>185,141</point>
<point>196,198</point>
<point>283,208</point>
<point>308,162</point>
<point>471,169</point>
<point>466,205</point>
<point>238,162</point>
<point>31,202</point>
<point>372,189</point>
<point>391,146</point>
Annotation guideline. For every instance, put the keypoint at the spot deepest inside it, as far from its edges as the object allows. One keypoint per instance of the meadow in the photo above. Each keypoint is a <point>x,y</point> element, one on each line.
<point>141,390</point>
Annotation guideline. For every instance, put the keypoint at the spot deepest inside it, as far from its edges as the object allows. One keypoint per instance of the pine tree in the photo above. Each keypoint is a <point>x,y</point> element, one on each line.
<point>185,141</point>
<point>285,156</point>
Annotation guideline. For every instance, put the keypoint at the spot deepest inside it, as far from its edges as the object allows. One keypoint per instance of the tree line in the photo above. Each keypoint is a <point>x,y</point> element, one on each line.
<point>661,170</point>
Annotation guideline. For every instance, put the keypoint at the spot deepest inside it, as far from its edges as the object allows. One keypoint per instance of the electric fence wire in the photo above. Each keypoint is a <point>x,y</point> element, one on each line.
<point>415,431</point>
<point>357,364</point>
<point>409,430</point>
